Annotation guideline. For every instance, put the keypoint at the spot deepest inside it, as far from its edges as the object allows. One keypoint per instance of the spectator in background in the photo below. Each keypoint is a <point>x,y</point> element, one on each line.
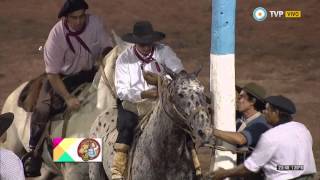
<point>251,123</point>
<point>11,167</point>
<point>283,152</point>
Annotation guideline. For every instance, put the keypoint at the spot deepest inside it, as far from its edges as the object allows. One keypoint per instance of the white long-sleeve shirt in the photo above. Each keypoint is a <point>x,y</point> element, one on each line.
<point>283,152</point>
<point>129,81</point>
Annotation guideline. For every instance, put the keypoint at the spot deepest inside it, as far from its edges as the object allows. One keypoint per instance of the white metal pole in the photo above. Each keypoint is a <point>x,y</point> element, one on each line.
<point>222,74</point>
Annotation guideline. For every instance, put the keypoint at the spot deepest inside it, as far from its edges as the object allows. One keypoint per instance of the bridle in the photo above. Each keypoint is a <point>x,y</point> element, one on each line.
<point>172,111</point>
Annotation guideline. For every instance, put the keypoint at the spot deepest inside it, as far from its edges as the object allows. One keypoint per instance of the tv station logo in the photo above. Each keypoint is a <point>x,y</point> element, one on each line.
<point>261,14</point>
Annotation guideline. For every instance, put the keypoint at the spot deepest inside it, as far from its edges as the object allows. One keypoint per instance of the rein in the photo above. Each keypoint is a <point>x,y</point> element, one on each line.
<point>167,104</point>
<point>173,113</point>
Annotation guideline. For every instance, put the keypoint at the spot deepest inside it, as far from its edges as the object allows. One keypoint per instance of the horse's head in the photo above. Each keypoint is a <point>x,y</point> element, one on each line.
<point>188,101</point>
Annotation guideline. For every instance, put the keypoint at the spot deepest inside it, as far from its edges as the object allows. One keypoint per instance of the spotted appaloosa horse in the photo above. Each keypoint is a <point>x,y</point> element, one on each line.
<point>162,150</point>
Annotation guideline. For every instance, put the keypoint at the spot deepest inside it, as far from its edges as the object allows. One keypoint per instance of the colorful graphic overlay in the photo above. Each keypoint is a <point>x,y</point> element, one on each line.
<point>77,149</point>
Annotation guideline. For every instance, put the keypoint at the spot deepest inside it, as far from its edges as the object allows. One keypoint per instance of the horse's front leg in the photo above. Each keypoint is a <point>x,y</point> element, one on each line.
<point>96,171</point>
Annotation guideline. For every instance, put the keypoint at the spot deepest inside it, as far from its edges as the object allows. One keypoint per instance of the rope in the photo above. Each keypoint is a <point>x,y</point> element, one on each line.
<point>68,114</point>
<point>222,148</point>
<point>106,81</point>
<point>42,138</point>
<point>164,97</point>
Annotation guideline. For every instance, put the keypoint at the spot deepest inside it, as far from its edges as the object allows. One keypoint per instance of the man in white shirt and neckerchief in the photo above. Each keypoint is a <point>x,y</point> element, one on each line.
<point>146,54</point>
<point>283,152</point>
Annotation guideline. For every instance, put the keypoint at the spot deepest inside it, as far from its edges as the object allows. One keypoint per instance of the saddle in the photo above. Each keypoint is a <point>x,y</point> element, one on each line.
<point>30,93</point>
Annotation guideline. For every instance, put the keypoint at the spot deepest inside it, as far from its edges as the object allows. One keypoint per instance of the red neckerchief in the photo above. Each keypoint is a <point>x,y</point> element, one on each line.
<point>75,34</point>
<point>147,59</point>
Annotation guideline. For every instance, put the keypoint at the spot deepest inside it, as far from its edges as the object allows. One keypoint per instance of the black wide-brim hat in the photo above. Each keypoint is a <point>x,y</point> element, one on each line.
<point>143,33</point>
<point>6,120</point>
<point>71,6</point>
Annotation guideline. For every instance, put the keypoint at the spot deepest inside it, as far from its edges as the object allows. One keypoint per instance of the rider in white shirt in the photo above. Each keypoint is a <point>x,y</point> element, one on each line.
<point>145,55</point>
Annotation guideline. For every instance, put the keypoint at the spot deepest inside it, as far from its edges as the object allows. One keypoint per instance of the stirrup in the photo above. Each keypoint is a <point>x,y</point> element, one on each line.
<point>199,177</point>
<point>117,177</point>
<point>198,172</point>
<point>31,165</point>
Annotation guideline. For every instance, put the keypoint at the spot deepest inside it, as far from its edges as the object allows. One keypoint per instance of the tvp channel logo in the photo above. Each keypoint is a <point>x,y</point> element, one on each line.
<point>261,14</point>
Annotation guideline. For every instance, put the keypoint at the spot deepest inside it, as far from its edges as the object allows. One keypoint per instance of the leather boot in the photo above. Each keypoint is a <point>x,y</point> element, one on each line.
<point>32,164</point>
<point>196,162</point>
<point>119,161</point>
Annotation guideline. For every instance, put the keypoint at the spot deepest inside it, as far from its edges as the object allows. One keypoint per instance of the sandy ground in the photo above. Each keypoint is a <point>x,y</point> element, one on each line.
<point>280,54</point>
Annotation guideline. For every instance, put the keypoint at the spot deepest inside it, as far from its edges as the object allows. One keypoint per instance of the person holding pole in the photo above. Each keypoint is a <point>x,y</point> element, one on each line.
<point>283,152</point>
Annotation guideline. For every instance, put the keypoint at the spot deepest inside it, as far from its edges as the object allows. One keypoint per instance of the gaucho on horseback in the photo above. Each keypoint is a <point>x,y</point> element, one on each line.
<point>132,67</point>
<point>71,51</point>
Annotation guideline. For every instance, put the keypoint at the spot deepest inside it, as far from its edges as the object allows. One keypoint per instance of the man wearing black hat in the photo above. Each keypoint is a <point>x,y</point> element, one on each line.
<point>144,55</point>
<point>283,152</point>
<point>72,50</point>
<point>10,164</point>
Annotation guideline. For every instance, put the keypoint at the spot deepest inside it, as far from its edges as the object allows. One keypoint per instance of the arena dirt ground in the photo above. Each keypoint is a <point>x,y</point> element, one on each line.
<point>280,54</point>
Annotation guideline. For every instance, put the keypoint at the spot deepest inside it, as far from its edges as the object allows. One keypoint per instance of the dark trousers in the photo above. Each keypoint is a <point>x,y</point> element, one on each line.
<point>126,123</point>
<point>50,102</point>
